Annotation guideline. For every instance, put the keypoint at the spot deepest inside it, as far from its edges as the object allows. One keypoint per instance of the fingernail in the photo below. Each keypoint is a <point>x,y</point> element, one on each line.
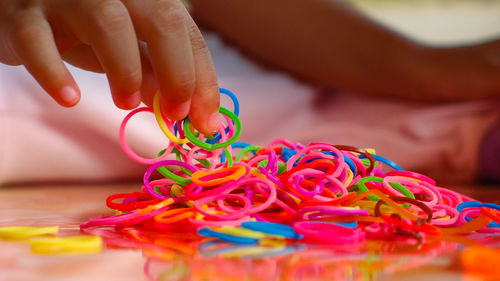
<point>69,96</point>
<point>178,112</point>
<point>213,122</point>
<point>132,101</point>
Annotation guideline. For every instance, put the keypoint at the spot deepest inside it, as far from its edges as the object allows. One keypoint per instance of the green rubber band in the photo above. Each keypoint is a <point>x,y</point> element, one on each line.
<point>211,147</point>
<point>399,187</point>
<point>281,168</point>
<point>229,158</point>
<point>245,150</point>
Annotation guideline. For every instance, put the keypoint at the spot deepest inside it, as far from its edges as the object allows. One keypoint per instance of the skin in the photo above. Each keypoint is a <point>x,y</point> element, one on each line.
<point>330,43</point>
<point>142,46</point>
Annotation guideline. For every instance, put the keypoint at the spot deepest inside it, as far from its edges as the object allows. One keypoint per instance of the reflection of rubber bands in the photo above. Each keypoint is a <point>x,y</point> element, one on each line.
<point>161,121</point>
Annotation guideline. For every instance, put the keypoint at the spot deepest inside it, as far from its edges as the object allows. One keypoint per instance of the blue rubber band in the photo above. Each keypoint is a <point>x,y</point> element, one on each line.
<point>236,112</point>
<point>476,204</point>
<point>234,145</point>
<point>207,232</point>
<point>353,224</point>
<point>385,161</point>
<point>287,153</point>
<point>272,228</point>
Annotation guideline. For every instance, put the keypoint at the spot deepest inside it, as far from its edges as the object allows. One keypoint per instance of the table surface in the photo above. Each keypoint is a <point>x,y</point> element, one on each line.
<point>68,206</point>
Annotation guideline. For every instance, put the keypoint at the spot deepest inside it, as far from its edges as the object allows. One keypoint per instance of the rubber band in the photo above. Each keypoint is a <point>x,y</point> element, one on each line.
<point>162,123</point>
<point>87,244</point>
<point>273,195</point>
<point>25,232</point>
<point>212,147</point>
<point>231,174</point>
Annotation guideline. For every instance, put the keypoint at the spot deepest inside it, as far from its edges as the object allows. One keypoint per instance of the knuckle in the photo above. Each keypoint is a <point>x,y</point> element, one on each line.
<point>184,86</point>
<point>197,42</point>
<point>169,15</point>
<point>109,14</point>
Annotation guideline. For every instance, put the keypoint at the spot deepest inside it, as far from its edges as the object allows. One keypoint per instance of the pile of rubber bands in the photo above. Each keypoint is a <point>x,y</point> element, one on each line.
<point>284,192</point>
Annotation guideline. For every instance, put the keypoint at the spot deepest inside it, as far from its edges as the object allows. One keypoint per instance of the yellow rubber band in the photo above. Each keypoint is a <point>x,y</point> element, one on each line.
<point>25,232</point>
<point>86,244</point>
<point>162,124</point>
<point>236,172</point>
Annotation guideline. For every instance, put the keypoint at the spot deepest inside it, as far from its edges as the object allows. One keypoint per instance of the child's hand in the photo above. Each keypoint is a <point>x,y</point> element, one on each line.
<point>141,45</point>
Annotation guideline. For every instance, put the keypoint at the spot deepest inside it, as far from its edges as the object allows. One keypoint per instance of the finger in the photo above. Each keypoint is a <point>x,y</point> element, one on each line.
<point>83,56</point>
<point>34,44</point>
<point>204,112</point>
<point>149,84</point>
<point>163,25</point>
<point>106,26</point>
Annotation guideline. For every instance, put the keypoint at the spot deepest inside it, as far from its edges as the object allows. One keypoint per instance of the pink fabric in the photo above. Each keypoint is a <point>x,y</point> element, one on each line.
<point>41,141</point>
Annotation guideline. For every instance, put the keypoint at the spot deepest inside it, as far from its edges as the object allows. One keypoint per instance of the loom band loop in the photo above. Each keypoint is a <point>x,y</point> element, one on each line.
<point>212,147</point>
<point>360,151</point>
<point>141,200</point>
<point>462,209</point>
<point>178,157</point>
<point>207,232</point>
<point>168,174</point>
<point>416,187</point>
<point>412,175</point>
<point>347,160</point>
<point>314,165</point>
<point>270,194</point>
<point>450,211</point>
<point>385,161</point>
<point>292,162</point>
<point>328,233</point>
<point>236,214</point>
<point>291,184</point>
<point>126,148</point>
<point>450,198</point>
<point>417,203</point>
<point>165,124</point>
<point>219,176</point>
<point>361,184</point>
<point>174,215</point>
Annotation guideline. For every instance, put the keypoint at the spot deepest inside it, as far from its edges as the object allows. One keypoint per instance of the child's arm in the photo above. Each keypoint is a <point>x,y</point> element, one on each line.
<point>328,42</point>
<point>140,45</point>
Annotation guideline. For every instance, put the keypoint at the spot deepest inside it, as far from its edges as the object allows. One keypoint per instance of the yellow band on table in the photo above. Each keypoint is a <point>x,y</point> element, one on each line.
<point>162,124</point>
<point>85,244</point>
<point>25,232</point>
